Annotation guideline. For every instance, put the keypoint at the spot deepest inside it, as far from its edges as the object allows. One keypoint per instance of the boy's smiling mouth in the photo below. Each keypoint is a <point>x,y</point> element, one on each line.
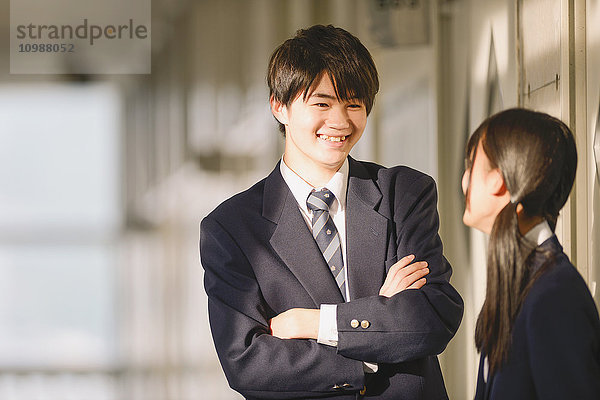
<point>333,138</point>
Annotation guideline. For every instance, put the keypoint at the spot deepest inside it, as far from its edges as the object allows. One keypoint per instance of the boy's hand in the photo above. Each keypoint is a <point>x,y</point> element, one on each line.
<point>296,323</point>
<point>404,275</point>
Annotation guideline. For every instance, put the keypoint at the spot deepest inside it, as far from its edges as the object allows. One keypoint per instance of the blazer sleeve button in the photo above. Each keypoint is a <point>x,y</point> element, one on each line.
<point>365,324</point>
<point>354,323</point>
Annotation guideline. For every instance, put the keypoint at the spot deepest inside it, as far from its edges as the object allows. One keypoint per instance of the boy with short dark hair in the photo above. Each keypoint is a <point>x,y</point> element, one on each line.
<point>307,271</point>
<point>297,63</point>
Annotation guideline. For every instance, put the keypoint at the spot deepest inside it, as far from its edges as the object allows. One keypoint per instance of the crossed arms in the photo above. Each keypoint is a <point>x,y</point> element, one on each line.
<point>405,324</point>
<point>303,323</point>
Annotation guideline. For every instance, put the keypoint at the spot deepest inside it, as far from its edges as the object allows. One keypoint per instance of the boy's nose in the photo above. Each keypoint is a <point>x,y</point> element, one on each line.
<point>338,119</point>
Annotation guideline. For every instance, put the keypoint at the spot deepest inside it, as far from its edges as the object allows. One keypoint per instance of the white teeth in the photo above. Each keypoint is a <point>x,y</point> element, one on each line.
<point>333,138</point>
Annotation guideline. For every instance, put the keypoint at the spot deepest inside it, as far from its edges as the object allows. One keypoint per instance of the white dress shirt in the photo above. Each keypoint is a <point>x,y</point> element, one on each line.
<point>338,184</point>
<point>539,233</point>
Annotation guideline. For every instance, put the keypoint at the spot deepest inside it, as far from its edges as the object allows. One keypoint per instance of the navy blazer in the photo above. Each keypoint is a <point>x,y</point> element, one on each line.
<point>555,351</point>
<point>260,259</point>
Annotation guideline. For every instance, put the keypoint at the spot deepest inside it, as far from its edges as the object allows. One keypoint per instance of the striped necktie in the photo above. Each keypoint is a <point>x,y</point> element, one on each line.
<point>326,234</point>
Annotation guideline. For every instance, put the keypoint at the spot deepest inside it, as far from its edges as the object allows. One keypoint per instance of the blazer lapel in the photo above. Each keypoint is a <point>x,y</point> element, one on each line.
<point>293,242</point>
<point>366,234</point>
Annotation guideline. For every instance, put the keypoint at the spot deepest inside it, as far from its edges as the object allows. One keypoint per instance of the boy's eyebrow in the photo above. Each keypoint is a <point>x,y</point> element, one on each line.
<point>330,97</point>
<point>324,96</point>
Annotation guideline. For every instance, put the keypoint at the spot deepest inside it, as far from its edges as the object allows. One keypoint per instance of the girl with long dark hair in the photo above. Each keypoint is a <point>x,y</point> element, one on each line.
<point>538,331</point>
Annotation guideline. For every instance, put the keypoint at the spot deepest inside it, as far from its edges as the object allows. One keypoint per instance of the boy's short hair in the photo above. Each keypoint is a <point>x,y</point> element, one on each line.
<point>298,64</point>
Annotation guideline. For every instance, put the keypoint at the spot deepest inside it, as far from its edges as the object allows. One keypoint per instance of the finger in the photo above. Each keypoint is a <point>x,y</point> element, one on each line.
<point>418,284</point>
<point>412,278</point>
<point>402,268</point>
<point>407,271</point>
<point>412,268</point>
<point>403,262</point>
<point>406,277</point>
<point>414,281</point>
<point>422,271</point>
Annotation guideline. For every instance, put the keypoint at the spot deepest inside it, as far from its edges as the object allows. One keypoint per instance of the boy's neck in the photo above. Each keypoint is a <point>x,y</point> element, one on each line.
<point>315,175</point>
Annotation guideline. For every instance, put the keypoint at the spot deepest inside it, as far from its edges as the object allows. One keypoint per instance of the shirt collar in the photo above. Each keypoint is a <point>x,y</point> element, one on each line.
<point>539,233</point>
<point>301,189</point>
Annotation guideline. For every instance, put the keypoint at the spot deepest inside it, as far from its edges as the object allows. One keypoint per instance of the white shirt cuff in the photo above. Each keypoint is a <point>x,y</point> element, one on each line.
<point>328,333</point>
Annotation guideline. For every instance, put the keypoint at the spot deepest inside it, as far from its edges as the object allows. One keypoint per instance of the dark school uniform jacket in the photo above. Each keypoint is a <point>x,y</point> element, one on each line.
<point>260,259</point>
<point>555,351</point>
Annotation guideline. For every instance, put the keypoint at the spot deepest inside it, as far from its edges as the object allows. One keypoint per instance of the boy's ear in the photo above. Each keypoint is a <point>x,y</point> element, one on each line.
<point>496,183</point>
<point>279,110</point>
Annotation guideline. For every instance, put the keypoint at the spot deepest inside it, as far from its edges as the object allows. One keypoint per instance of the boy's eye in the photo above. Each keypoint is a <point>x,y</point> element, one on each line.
<point>354,105</point>
<point>321,104</point>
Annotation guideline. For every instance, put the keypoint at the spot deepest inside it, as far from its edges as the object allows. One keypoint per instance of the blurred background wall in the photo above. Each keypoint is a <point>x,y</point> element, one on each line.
<point>105,178</point>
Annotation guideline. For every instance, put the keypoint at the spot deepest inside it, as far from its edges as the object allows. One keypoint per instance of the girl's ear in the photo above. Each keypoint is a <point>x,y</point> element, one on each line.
<point>495,183</point>
<point>279,111</point>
